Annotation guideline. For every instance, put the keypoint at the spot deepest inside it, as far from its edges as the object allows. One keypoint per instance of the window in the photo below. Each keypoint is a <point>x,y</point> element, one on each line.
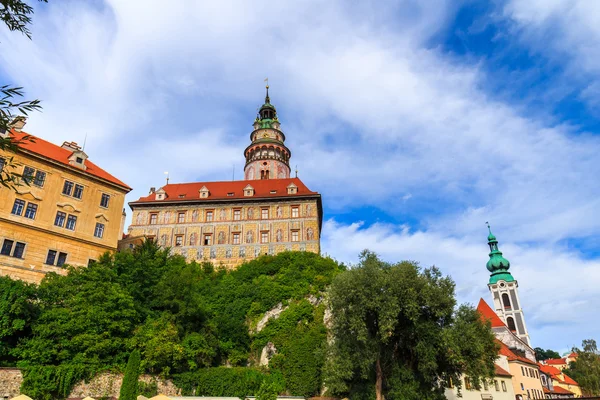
<point>236,238</point>
<point>468,383</point>
<point>153,218</point>
<point>40,178</point>
<point>209,216</point>
<point>2,163</point>
<point>506,301</point>
<point>511,324</point>
<point>522,387</point>
<point>503,386</point>
<point>295,212</point>
<point>264,213</point>
<point>99,230</point>
<point>295,236</point>
<point>485,385</point>
<point>79,160</point>
<point>18,207</point>
<point>179,240</point>
<point>62,259</point>
<point>264,237</point>
<point>78,192</point>
<point>19,250</point>
<point>181,218</point>
<point>497,386</point>
<point>28,174</point>
<point>67,188</point>
<point>104,200</point>
<point>6,247</point>
<point>207,240</point>
<point>59,220</point>
<point>71,222</point>
<point>522,371</point>
<point>91,262</point>
<point>537,375</point>
<point>31,210</point>
<point>51,257</point>
<point>237,215</point>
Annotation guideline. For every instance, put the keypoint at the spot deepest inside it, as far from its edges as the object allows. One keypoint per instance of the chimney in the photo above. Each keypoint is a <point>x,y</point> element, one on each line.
<point>73,146</point>
<point>18,123</point>
<point>152,190</point>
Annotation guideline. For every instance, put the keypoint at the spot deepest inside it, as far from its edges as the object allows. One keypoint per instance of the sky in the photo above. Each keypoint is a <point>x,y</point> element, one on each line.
<point>417,121</point>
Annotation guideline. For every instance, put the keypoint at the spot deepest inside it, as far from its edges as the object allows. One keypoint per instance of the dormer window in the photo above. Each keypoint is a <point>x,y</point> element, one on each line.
<point>248,191</point>
<point>204,192</point>
<point>79,160</point>
<point>161,194</point>
<point>292,189</point>
<point>273,191</point>
<point>230,194</point>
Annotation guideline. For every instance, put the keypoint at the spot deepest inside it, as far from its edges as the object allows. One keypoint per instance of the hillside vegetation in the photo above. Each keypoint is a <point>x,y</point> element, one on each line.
<point>193,323</point>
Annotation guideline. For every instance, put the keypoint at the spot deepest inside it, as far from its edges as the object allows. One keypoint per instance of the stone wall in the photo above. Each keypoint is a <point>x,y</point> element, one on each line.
<point>10,382</point>
<point>102,385</point>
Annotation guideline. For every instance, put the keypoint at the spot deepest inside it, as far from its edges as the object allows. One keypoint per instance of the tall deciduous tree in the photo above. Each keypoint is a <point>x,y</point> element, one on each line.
<point>396,333</point>
<point>541,354</point>
<point>586,370</point>
<point>129,387</point>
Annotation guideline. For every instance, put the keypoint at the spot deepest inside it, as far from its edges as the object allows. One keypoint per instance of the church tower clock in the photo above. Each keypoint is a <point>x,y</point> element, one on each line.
<point>267,157</point>
<point>504,289</point>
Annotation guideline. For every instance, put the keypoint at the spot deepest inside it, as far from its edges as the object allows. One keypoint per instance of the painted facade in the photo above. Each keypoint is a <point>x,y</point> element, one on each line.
<point>230,222</point>
<point>70,213</point>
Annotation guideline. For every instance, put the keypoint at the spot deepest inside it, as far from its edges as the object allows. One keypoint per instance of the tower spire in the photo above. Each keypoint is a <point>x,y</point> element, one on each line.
<point>504,289</point>
<point>267,99</point>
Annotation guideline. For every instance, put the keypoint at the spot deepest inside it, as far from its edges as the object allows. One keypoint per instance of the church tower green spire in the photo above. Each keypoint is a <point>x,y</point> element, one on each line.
<point>497,264</point>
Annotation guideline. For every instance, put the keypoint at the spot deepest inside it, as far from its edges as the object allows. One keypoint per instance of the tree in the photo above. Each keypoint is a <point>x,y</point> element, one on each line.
<point>16,15</point>
<point>396,333</point>
<point>586,369</point>
<point>541,354</point>
<point>267,391</point>
<point>129,387</point>
<point>18,310</point>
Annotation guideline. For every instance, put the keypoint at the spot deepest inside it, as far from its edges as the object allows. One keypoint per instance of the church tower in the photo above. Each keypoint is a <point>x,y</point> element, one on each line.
<point>267,157</point>
<point>504,289</point>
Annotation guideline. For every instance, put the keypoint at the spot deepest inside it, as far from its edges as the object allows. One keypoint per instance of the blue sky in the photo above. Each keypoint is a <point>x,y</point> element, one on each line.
<point>417,121</point>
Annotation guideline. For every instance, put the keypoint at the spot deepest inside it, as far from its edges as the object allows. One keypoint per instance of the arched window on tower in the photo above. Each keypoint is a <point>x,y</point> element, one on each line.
<point>511,324</point>
<point>506,301</point>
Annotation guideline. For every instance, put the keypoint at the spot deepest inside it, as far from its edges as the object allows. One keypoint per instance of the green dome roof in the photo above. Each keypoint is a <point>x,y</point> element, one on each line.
<point>497,264</point>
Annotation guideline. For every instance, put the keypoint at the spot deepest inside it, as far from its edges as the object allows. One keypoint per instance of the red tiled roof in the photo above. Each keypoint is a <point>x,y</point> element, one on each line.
<point>556,361</point>
<point>546,390</point>
<point>568,380</point>
<point>56,153</point>
<point>501,371</point>
<point>227,190</point>
<point>505,351</point>
<point>487,313</point>
<point>548,369</point>
<point>573,355</point>
<point>559,390</point>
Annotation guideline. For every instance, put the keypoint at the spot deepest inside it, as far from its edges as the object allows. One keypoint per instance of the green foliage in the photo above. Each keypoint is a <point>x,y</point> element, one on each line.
<point>222,381</point>
<point>16,15</point>
<point>52,382</point>
<point>586,369</point>
<point>541,354</point>
<point>129,387</point>
<point>148,389</point>
<point>397,333</point>
<point>17,311</point>
<point>267,391</point>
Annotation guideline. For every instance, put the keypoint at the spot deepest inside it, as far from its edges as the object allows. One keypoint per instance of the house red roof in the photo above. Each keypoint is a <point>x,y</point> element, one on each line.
<point>573,355</point>
<point>56,153</point>
<point>511,356</point>
<point>501,371</point>
<point>568,380</point>
<point>556,361</point>
<point>559,390</point>
<point>548,369</point>
<point>228,190</point>
<point>557,374</point>
<point>488,314</point>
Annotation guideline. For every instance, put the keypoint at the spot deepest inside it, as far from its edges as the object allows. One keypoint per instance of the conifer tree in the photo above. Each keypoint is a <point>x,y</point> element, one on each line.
<point>129,388</point>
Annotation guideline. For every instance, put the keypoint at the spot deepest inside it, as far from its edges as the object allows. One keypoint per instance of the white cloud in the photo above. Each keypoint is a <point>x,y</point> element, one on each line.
<point>374,116</point>
<point>558,288</point>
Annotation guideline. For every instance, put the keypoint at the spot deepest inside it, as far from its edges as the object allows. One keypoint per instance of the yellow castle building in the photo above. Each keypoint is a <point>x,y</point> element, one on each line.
<point>230,222</point>
<point>66,210</point>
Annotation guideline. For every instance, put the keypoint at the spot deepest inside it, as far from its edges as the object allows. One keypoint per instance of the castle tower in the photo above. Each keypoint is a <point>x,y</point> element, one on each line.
<point>267,157</point>
<point>504,289</point>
